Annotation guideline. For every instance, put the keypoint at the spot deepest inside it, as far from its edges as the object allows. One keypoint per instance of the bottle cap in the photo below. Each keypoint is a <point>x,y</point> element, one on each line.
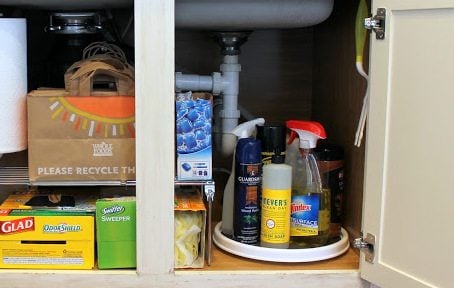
<point>272,137</point>
<point>308,132</point>
<point>278,159</point>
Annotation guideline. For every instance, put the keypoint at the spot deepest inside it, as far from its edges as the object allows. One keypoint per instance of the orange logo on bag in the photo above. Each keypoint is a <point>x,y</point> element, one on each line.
<point>17,225</point>
<point>106,115</point>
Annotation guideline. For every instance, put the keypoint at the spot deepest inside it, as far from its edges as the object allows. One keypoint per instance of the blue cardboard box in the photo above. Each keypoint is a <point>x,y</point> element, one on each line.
<point>193,136</point>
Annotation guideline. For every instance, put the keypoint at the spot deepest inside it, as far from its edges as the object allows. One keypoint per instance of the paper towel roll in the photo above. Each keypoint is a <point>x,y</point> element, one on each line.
<point>13,85</point>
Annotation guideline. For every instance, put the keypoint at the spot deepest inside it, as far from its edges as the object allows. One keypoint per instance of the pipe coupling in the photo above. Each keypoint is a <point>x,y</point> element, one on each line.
<point>227,67</point>
<point>217,83</point>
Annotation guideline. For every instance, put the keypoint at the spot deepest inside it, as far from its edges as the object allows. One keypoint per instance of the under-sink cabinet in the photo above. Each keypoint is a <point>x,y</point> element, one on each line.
<point>400,178</point>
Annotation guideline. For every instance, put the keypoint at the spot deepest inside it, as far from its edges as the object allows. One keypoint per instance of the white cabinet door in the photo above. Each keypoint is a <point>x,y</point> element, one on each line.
<point>409,179</point>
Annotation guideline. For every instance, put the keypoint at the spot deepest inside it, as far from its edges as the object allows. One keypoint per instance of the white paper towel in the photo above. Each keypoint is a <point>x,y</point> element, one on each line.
<point>13,85</point>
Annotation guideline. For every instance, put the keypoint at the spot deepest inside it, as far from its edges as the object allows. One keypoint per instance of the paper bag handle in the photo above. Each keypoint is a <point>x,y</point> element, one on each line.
<point>81,75</point>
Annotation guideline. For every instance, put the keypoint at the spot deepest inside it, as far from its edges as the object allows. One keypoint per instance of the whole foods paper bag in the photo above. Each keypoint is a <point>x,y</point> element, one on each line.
<point>80,137</point>
<point>83,133</point>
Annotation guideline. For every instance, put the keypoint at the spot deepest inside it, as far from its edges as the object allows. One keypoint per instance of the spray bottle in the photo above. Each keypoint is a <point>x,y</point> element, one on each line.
<point>243,130</point>
<point>310,208</point>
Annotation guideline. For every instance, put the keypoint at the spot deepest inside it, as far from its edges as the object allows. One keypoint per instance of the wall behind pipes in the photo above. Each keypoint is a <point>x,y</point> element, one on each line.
<point>275,81</point>
<point>276,76</point>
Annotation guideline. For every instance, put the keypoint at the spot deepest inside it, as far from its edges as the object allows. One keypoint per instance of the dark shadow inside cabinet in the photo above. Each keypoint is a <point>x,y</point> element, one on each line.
<point>306,73</point>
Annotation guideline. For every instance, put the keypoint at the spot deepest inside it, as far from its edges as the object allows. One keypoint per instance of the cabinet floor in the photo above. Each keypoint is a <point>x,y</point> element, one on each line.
<point>223,261</point>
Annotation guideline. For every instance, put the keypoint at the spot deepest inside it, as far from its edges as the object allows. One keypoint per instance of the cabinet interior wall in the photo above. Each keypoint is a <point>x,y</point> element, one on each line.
<point>338,92</point>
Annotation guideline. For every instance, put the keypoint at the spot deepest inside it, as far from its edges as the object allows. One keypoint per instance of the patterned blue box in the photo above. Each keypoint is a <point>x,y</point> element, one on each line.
<point>193,136</point>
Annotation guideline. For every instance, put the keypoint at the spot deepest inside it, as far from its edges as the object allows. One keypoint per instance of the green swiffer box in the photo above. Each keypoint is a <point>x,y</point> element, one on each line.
<point>116,232</point>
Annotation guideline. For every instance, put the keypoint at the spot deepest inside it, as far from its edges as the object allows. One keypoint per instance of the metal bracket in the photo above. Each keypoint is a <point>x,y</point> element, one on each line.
<point>377,23</point>
<point>366,244</point>
<point>209,190</point>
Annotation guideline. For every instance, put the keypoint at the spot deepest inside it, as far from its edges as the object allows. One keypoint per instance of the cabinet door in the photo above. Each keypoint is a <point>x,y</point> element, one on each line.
<point>409,177</point>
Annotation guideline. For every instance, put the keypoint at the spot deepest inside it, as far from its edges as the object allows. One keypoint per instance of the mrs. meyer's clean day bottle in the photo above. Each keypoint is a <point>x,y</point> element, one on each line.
<point>310,204</point>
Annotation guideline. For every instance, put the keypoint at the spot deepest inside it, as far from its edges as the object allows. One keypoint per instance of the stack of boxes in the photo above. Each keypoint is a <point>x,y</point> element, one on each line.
<point>57,231</point>
<point>193,163</point>
<point>41,230</point>
<point>49,236</point>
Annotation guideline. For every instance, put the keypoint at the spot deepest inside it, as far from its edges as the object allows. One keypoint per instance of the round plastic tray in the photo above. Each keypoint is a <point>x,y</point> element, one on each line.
<point>280,255</point>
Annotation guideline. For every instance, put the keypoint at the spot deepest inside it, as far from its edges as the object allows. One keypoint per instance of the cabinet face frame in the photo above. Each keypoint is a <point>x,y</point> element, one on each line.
<point>154,54</point>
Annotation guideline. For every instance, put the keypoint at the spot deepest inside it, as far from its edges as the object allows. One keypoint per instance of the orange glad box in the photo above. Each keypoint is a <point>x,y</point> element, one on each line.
<point>33,241</point>
<point>80,138</point>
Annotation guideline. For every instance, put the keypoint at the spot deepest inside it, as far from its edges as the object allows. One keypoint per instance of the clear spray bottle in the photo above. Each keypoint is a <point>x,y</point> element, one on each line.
<point>310,207</point>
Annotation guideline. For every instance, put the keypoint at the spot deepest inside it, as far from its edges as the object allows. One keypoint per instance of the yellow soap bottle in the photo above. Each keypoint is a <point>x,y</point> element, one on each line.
<point>276,201</point>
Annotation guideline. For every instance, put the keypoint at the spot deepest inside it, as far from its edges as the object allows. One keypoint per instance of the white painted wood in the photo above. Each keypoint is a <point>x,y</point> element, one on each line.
<point>194,279</point>
<point>154,54</point>
<point>154,63</point>
<point>409,154</point>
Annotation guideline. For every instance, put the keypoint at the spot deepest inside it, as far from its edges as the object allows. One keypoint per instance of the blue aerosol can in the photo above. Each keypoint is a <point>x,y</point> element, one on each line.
<point>248,177</point>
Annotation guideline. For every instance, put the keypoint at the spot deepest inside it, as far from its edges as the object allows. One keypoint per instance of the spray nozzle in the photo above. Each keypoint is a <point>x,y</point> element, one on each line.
<point>308,132</point>
<point>246,129</point>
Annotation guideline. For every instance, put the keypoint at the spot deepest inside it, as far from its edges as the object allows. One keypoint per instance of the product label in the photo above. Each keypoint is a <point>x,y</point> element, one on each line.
<point>102,149</point>
<point>42,256</point>
<point>17,226</point>
<point>247,204</point>
<point>61,228</point>
<point>101,170</point>
<point>266,157</point>
<point>275,216</point>
<point>113,214</point>
<point>304,215</point>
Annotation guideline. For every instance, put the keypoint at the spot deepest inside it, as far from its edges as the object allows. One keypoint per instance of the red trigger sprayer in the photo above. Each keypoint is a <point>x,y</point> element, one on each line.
<point>310,208</point>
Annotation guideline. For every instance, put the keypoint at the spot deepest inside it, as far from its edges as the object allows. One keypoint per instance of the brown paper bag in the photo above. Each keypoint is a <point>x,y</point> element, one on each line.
<point>83,134</point>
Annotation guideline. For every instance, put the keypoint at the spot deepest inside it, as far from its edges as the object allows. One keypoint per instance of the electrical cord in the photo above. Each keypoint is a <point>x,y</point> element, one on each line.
<point>360,40</point>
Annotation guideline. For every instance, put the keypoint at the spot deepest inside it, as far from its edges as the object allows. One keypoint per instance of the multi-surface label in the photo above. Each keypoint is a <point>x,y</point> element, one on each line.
<point>304,215</point>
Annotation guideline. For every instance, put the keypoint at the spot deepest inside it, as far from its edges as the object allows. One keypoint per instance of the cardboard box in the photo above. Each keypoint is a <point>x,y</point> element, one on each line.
<point>80,138</point>
<point>190,225</point>
<point>38,234</point>
<point>193,136</point>
<point>116,232</point>
<point>52,241</point>
<point>70,201</point>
